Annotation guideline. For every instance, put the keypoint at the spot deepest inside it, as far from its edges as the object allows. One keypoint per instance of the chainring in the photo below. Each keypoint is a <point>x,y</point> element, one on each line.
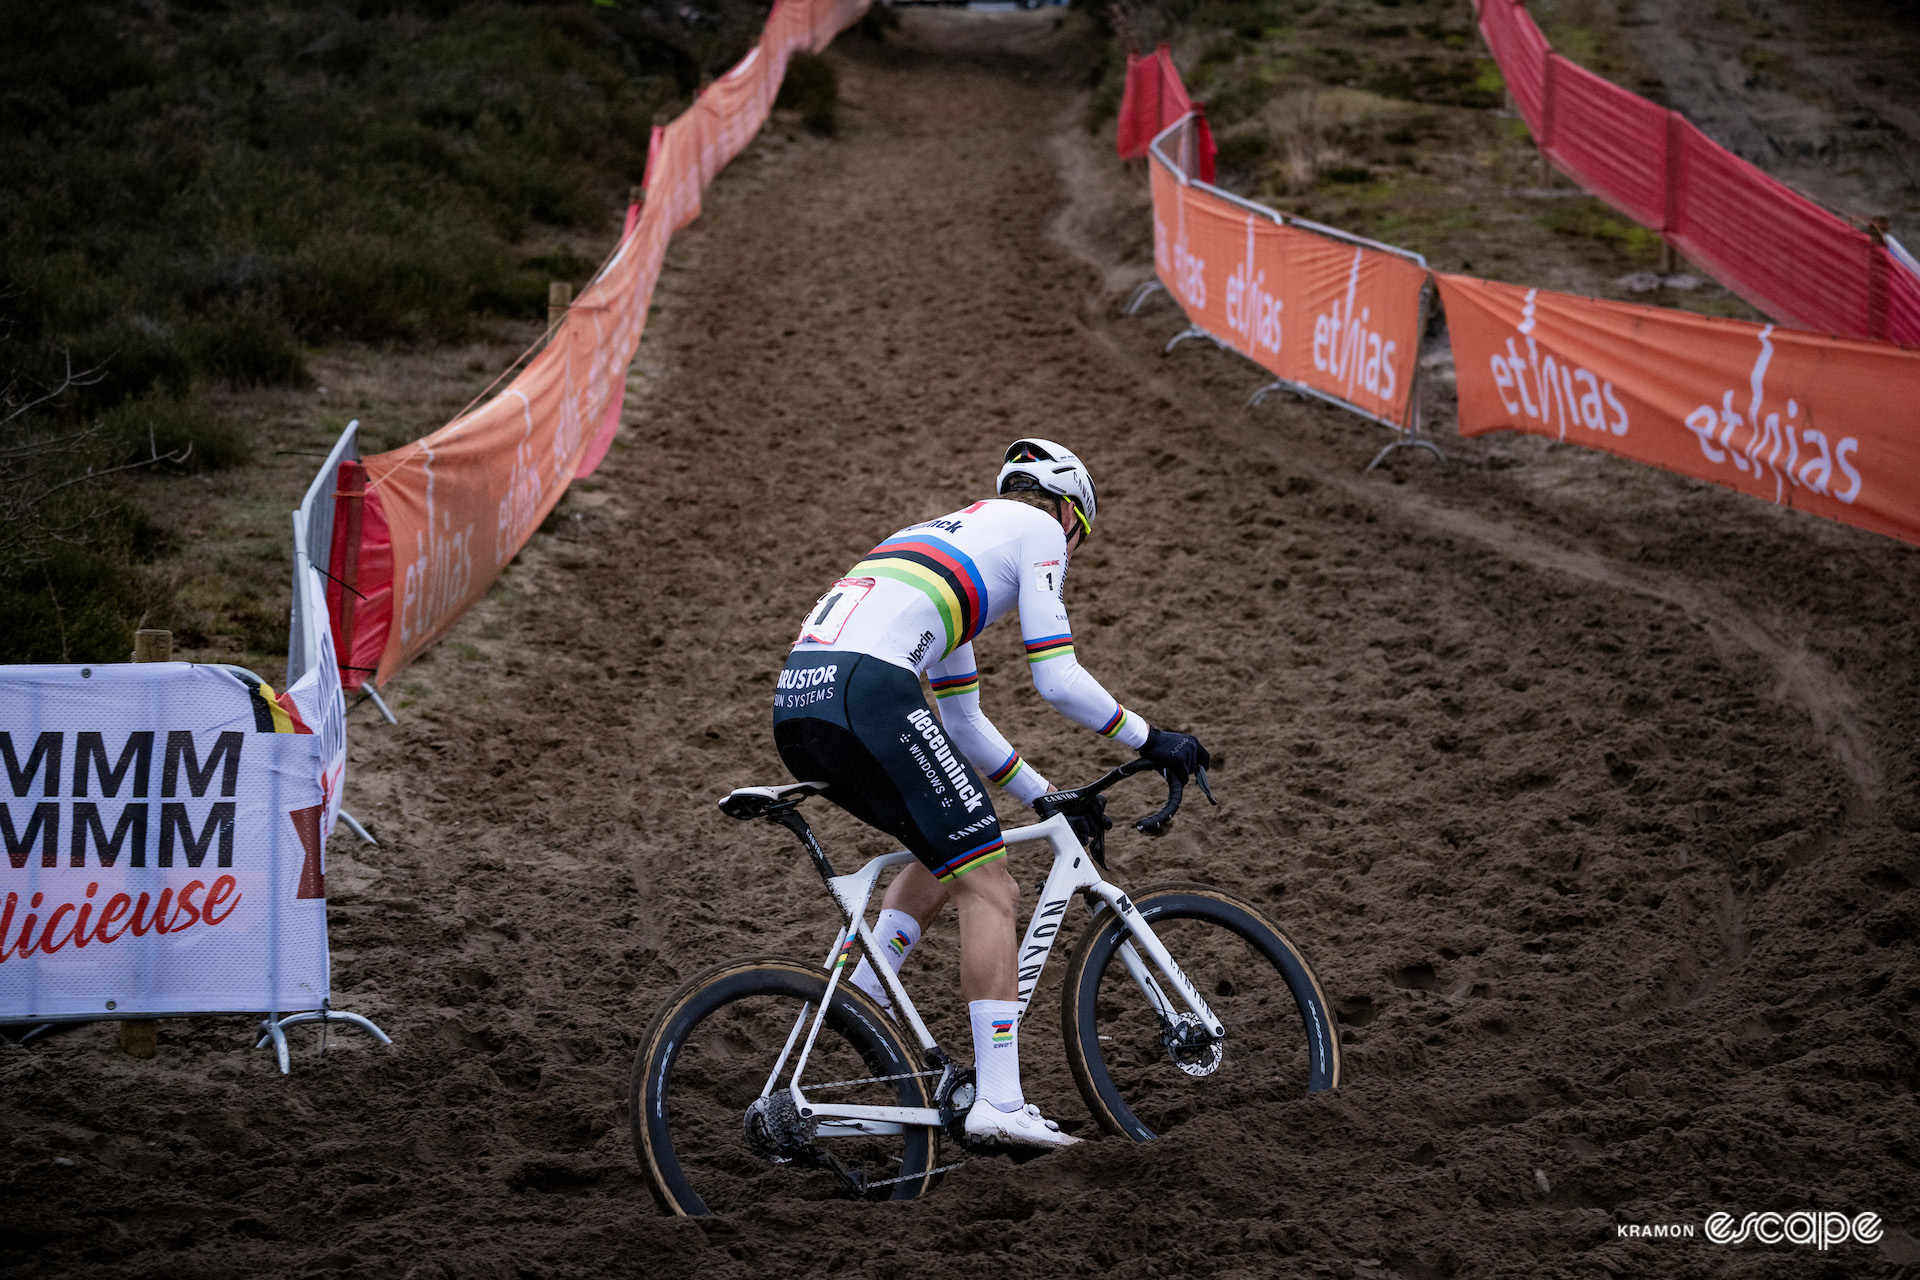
<point>955,1097</point>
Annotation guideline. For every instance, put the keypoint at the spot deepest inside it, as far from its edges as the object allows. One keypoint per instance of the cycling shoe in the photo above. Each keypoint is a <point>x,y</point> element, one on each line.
<point>1026,1127</point>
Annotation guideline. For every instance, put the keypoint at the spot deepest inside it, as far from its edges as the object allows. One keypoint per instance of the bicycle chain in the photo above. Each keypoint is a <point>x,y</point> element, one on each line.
<point>909,1177</point>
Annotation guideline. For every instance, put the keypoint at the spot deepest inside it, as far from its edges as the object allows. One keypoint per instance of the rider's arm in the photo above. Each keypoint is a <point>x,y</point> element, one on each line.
<point>1057,674</point>
<point>956,686</point>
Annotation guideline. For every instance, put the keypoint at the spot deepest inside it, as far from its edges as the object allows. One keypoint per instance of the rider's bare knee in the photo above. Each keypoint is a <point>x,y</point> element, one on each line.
<point>990,884</point>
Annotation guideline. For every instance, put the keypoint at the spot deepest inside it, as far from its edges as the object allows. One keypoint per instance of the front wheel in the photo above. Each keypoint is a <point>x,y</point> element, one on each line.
<point>1142,1074</point>
<point>714,1133</point>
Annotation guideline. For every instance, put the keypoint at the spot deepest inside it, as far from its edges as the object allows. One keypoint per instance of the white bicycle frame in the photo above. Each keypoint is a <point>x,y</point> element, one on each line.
<point>1073,872</point>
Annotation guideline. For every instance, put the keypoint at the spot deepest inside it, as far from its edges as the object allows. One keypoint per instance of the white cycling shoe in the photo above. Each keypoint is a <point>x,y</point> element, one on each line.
<point>1023,1128</point>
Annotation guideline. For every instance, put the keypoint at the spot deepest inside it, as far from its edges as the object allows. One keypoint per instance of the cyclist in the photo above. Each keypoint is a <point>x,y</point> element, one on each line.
<point>848,711</point>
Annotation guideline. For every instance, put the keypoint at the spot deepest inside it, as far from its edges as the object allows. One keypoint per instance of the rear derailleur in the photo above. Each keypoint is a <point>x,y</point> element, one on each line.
<point>779,1134</point>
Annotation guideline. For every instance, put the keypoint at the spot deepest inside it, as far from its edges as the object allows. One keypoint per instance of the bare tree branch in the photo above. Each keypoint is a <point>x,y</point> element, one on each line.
<point>36,473</point>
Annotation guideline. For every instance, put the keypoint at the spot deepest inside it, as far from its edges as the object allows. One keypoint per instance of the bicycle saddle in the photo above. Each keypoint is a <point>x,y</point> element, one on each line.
<point>753,802</point>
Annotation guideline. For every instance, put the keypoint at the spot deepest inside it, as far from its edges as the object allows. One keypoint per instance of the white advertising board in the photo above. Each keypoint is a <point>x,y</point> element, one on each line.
<point>163,831</point>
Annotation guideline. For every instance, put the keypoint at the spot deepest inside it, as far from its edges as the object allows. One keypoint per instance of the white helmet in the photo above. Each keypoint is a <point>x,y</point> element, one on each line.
<point>1055,469</point>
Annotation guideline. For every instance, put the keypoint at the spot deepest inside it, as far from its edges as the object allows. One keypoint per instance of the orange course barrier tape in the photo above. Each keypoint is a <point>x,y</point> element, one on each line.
<point>1339,317</point>
<point>461,502</point>
<point>1829,426</point>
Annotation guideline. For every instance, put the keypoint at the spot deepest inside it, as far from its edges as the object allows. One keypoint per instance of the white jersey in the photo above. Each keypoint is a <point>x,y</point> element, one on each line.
<point>918,599</point>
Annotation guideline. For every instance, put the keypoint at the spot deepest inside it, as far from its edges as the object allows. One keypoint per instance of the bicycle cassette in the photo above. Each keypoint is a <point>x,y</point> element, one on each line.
<point>776,1131</point>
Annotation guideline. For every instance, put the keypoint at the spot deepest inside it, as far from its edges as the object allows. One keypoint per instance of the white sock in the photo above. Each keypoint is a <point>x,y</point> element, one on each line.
<point>897,933</point>
<point>996,1052</point>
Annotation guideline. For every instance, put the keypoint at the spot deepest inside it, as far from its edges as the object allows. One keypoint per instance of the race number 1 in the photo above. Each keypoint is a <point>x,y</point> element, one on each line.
<point>831,611</point>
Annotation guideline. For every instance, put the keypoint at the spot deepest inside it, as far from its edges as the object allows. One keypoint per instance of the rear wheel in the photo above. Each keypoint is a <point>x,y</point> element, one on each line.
<point>1141,1077</point>
<point>709,1142</point>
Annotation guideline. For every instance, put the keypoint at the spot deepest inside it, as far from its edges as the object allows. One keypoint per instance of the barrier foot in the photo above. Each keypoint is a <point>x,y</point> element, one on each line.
<point>1191,331</point>
<point>353,825</point>
<point>1140,295</point>
<point>1254,400</point>
<point>380,705</point>
<point>274,1028</point>
<point>1408,442</point>
<point>270,1030</point>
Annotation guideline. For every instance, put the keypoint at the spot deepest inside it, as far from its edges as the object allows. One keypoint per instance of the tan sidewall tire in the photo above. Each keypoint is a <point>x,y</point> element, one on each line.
<point>1081,1041</point>
<point>653,1060</point>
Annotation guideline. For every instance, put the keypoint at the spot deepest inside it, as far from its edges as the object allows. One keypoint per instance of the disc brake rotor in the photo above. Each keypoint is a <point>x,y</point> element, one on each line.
<point>1191,1048</point>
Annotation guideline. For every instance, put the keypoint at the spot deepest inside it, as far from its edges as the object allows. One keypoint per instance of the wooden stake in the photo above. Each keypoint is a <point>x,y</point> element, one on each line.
<point>559,298</point>
<point>140,1037</point>
<point>1669,260</point>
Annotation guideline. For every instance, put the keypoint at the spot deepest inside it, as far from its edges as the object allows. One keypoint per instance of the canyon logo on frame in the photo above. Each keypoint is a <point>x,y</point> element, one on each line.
<point>1825,425</point>
<point>1338,317</point>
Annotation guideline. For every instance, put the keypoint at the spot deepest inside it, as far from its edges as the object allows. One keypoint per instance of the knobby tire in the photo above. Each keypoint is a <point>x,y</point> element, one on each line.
<point>781,984</point>
<point>1310,1043</point>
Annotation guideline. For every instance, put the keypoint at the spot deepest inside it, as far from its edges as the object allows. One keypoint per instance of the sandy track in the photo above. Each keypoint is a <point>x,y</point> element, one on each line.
<point>1585,787</point>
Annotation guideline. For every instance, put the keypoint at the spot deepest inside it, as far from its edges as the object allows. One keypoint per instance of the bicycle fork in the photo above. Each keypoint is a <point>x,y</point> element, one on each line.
<point>1142,938</point>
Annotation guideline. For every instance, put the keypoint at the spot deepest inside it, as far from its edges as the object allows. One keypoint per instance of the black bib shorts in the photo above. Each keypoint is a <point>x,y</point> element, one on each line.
<point>859,724</point>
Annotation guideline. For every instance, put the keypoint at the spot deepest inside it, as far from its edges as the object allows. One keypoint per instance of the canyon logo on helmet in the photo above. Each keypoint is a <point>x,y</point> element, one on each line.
<point>1054,468</point>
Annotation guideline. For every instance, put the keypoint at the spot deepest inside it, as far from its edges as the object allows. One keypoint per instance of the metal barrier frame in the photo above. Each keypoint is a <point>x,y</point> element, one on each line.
<point>1410,434</point>
<point>313,527</point>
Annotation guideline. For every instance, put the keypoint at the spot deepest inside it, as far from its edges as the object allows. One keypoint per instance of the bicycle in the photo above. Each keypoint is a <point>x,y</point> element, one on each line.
<point>713,1121</point>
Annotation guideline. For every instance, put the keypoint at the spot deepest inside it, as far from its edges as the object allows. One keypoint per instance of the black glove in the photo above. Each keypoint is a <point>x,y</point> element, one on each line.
<point>1091,829</point>
<point>1177,753</point>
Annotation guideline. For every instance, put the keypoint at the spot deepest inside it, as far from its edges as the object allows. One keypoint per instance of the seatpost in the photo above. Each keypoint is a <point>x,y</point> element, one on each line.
<point>788,816</point>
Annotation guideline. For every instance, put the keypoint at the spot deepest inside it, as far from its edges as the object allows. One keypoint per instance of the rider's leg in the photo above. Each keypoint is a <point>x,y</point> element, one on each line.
<point>917,893</point>
<point>897,932</point>
<point>990,977</point>
<point>911,904</point>
<point>988,899</point>
<point>990,980</point>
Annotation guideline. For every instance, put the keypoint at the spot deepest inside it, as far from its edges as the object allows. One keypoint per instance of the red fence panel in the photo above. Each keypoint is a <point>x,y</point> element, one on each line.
<point>440,517</point>
<point>1772,246</point>
<point>1611,142</point>
<point>1155,97</point>
<point>1521,50</point>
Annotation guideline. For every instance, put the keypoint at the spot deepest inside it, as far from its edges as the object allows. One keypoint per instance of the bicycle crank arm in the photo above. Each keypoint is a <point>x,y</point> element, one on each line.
<point>857,1129</point>
<point>827,1112</point>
